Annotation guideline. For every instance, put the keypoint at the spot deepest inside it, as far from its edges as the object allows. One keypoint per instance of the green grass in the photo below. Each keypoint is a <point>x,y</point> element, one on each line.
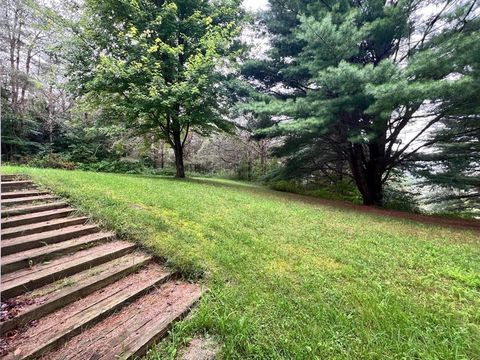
<point>290,279</point>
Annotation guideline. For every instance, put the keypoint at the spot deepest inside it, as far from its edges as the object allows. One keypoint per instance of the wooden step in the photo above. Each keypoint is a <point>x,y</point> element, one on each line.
<point>9,176</point>
<point>129,332</point>
<point>30,209</point>
<point>24,193</point>
<point>35,217</point>
<point>42,226</point>
<point>19,181</point>
<point>49,298</point>
<point>24,259</point>
<point>16,184</point>
<point>27,200</point>
<point>21,281</point>
<point>61,325</point>
<point>23,243</point>
<point>61,278</point>
<point>12,177</point>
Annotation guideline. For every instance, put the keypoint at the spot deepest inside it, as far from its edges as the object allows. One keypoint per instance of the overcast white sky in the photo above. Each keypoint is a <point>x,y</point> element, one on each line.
<point>255,4</point>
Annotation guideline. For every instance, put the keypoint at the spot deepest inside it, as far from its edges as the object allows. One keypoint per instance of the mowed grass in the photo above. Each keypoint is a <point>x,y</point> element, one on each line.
<point>293,280</point>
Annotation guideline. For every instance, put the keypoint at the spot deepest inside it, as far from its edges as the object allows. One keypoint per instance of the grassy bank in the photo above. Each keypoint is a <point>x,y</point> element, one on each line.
<point>290,279</point>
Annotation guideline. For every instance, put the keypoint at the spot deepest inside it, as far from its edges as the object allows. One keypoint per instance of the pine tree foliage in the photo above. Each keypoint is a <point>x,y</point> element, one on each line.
<point>365,83</point>
<point>453,165</point>
<point>453,169</point>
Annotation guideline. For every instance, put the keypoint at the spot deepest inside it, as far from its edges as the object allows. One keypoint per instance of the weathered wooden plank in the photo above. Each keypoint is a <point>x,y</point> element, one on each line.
<point>11,177</point>
<point>19,182</point>
<point>29,209</point>
<point>19,194</point>
<point>43,338</point>
<point>19,282</point>
<point>16,184</point>
<point>63,260</point>
<point>84,283</point>
<point>135,327</point>
<point>172,304</point>
<point>27,200</point>
<point>23,243</point>
<point>31,257</point>
<point>42,226</point>
<point>35,217</point>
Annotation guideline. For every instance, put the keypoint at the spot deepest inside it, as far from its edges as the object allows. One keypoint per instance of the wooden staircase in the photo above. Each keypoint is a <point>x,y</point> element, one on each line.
<point>72,291</point>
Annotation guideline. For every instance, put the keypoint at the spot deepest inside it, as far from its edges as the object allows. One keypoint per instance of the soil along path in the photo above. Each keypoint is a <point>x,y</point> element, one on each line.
<point>71,290</point>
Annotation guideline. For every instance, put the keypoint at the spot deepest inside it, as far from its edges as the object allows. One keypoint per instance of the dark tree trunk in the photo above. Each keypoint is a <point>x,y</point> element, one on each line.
<point>159,156</point>
<point>162,155</point>
<point>178,151</point>
<point>373,193</point>
<point>367,172</point>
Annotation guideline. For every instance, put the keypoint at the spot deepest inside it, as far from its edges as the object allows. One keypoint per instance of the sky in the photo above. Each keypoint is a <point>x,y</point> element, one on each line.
<point>255,4</point>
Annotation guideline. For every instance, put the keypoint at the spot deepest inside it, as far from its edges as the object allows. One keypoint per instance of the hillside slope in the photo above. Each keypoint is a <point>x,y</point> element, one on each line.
<point>292,279</point>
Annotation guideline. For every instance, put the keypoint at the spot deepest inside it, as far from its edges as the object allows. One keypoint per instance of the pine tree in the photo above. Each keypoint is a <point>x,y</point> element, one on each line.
<point>366,82</point>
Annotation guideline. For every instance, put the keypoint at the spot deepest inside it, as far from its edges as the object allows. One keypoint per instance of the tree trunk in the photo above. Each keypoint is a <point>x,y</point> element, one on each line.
<point>178,151</point>
<point>159,155</point>
<point>263,157</point>
<point>374,189</point>
<point>27,73</point>
<point>51,114</point>
<point>367,174</point>
<point>162,154</point>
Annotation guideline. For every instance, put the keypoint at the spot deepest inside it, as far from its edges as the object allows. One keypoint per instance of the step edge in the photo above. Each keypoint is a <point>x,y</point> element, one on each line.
<point>83,226</point>
<point>95,318</point>
<point>70,295</point>
<point>27,199</point>
<point>33,218</point>
<point>96,237</point>
<point>25,210</point>
<point>36,214</point>
<point>19,194</point>
<point>21,287</point>
<point>9,232</point>
<point>143,347</point>
<point>13,246</point>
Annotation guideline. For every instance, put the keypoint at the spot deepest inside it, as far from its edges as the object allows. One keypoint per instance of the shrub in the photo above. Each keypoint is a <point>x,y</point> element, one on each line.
<point>400,199</point>
<point>286,186</point>
<point>51,160</point>
<point>116,166</point>
<point>339,190</point>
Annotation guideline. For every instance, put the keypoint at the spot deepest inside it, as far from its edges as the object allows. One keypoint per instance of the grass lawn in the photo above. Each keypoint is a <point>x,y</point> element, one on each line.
<point>290,279</point>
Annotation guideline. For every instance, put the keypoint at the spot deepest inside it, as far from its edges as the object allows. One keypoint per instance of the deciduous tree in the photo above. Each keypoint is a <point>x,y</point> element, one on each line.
<point>159,63</point>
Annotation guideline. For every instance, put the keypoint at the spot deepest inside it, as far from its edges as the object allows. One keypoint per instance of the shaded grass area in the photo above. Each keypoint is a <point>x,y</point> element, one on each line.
<point>289,279</point>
